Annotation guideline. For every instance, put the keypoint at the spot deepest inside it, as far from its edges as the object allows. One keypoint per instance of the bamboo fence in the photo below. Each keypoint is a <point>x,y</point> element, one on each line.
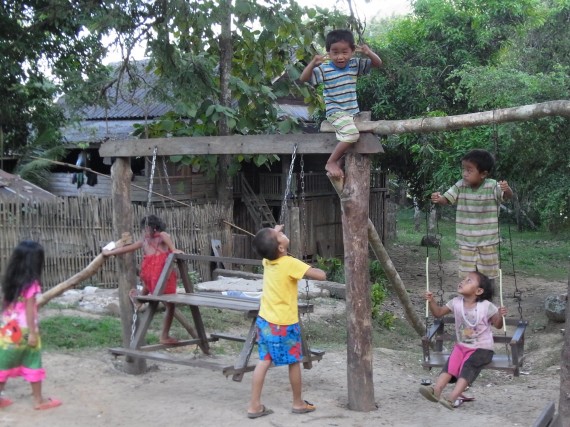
<point>73,231</point>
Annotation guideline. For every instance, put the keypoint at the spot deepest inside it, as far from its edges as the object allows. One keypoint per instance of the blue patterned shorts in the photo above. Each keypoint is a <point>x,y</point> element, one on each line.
<point>279,343</point>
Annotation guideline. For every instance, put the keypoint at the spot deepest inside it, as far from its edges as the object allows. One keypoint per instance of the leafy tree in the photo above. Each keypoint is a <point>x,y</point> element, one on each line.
<point>42,45</point>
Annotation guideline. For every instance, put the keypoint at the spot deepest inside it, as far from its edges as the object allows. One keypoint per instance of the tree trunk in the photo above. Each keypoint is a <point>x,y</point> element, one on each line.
<point>121,175</point>
<point>354,202</point>
<point>224,180</point>
<point>439,124</point>
<point>564,400</point>
<point>391,273</point>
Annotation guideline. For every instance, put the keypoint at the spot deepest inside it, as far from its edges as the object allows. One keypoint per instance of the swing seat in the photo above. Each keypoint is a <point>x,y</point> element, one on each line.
<point>434,354</point>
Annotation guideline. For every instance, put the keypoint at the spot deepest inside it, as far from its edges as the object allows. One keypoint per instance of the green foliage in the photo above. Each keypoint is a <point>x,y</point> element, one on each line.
<point>378,295</point>
<point>194,277</point>
<point>72,332</point>
<point>333,267</point>
<point>453,58</point>
<point>42,49</point>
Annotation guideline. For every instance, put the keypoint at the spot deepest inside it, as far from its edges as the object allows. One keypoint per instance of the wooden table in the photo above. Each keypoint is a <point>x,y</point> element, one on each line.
<point>196,300</point>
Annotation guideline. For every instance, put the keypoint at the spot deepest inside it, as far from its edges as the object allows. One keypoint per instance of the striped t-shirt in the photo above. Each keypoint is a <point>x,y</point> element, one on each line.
<point>476,220</point>
<point>340,84</point>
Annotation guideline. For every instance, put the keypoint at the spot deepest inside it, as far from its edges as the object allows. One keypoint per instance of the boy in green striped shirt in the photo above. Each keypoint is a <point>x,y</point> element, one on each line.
<point>477,221</point>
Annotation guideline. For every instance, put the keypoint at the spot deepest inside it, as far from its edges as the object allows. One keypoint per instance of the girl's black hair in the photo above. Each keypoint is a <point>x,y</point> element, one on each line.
<point>487,285</point>
<point>336,36</point>
<point>154,223</point>
<point>265,244</point>
<point>24,268</point>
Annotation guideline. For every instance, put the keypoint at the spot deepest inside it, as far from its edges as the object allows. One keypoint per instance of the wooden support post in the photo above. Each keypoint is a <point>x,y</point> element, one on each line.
<point>121,175</point>
<point>295,232</point>
<point>354,203</point>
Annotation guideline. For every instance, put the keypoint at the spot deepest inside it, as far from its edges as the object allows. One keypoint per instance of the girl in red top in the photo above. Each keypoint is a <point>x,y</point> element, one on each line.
<point>156,245</point>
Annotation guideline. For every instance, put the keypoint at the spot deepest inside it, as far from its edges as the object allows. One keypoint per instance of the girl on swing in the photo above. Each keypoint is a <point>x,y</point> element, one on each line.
<point>156,245</point>
<point>474,314</point>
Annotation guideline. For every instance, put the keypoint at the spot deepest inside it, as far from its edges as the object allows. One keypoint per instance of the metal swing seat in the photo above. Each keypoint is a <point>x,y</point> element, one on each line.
<point>437,343</point>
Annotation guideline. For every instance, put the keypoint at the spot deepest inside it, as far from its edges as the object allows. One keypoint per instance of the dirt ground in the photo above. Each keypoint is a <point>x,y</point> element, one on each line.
<point>96,392</point>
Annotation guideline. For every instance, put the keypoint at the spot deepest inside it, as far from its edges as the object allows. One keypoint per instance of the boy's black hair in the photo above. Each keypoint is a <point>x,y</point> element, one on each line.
<point>154,223</point>
<point>482,159</point>
<point>24,267</point>
<point>336,36</point>
<point>487,285</point>
<point>265,244</point>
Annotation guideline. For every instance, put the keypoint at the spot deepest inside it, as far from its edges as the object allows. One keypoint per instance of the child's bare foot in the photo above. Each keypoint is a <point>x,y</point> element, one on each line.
<point>334,170</point>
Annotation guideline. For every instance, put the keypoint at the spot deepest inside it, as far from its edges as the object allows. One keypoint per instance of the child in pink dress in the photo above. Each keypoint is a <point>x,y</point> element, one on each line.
<point>20,344</point>
<point>474,314</point>
<point>157,245</point>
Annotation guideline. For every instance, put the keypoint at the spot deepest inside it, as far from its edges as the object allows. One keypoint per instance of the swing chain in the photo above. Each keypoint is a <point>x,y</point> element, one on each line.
<point>134,324</point>
<point>440,273</point>
<point>517,293</point>
<point>303,212</point>
<point>283,214</point>
<point>303,239</point>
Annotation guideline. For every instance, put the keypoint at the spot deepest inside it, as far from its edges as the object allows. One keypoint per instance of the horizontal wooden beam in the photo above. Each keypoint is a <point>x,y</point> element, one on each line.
<point>316,143</point>
<point>448,123</point>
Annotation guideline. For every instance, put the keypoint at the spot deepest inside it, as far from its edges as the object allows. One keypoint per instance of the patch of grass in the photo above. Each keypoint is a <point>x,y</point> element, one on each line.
<point>74,332</point>
<point>407,234</point>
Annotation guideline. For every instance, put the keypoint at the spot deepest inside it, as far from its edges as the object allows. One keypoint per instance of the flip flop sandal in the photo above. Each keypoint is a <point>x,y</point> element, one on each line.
<point>309,407</point>
<point>49,403</point>
<point>447,403</point>
<point>4,401</point>
<point>429,393</point>
<point>264,411</point>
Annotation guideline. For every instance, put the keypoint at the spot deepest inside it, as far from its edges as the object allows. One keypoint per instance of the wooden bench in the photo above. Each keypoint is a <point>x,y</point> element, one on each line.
<point>196,300</point>
<point>434,354</point>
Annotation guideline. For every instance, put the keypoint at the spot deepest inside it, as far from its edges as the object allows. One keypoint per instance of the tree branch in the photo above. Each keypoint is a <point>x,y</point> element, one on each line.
<point>438,124</point>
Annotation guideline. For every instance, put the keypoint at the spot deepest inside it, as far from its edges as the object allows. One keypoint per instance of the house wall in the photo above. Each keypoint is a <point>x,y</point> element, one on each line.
<point>196,187</point>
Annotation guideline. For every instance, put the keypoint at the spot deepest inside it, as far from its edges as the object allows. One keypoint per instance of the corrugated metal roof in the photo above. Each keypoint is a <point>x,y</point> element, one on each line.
<point>95,131</point>
<point>14,189</point>
<point>300,112</point>
<point>130,107</point>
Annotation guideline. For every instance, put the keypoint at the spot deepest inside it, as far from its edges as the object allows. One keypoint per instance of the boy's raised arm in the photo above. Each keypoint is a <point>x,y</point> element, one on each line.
<point>375,60</point>
<point>315,62</point>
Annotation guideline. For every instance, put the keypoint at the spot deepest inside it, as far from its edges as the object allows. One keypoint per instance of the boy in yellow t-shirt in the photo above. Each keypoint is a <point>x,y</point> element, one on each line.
<point>278,330</point>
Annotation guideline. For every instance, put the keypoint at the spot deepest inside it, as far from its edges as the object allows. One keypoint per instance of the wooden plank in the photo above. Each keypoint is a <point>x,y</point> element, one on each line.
<point>499,362</point>
<point>316,356</point>
<point>319,143</point>
<point>163,357</point>
<point>210,258</point>
<point>215,301</point>
<point>546,416</point>
<point>227,337</point>
<point>201,300</point>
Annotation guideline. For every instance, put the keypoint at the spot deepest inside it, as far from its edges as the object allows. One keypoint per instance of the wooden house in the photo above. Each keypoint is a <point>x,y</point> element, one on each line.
<point>258,192</point>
